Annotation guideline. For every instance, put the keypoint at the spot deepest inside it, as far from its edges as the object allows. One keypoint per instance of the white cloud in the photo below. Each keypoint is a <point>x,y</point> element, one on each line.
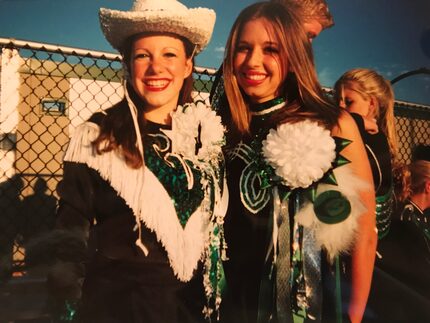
<point>326,77</point>
<point>219,52</point>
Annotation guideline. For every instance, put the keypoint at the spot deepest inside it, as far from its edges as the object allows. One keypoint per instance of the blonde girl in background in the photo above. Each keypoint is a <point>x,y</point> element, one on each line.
<point>369,98</point>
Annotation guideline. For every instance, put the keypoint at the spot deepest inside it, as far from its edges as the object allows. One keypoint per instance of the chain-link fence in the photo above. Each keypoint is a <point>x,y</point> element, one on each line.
<point>45,92</point>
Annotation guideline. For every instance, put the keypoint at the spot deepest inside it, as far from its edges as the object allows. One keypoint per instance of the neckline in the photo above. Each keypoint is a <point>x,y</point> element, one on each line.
<point>268,107</point>
<point>156,125</point>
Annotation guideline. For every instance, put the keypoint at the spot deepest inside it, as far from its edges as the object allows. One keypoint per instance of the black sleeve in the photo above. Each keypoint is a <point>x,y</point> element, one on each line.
<point>69,241</point>
<point>76,192</point>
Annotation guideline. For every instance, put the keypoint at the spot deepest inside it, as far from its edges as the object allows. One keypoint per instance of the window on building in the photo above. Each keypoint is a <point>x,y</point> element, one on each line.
<point>54,107</point>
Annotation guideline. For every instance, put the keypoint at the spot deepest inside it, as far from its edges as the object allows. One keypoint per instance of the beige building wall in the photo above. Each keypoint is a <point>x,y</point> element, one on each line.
<point>41,137</point>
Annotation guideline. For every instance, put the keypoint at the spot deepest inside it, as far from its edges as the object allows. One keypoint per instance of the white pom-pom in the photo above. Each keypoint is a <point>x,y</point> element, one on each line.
<point>300,153</point>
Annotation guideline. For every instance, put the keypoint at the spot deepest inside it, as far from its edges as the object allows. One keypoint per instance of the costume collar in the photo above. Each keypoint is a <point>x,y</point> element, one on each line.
<point>268,107</point>
<point>149,200</point>
<point>155,125</point>
<point>420,212</point>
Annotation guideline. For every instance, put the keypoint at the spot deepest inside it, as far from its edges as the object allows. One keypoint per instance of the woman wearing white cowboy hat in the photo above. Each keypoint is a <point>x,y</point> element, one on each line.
<point>146,176</point>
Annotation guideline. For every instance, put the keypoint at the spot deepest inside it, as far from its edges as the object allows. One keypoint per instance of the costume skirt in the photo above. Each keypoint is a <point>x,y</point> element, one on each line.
<point>114,291</point>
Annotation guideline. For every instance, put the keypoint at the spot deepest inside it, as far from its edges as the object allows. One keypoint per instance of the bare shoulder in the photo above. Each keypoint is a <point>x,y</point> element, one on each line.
<point>346,127</point>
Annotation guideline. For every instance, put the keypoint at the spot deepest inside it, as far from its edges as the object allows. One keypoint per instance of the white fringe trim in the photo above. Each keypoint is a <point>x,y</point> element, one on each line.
<point>336,238</point>
<point>149,201</point>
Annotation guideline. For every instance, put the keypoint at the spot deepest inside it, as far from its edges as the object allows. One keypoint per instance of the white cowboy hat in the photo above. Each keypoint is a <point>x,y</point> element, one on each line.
<point>195,24</point>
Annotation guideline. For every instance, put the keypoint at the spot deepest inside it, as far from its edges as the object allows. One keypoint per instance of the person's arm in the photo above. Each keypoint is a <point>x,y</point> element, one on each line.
<point>75,207</point>
<point>64,249</point>
<point>74,217</point>
<point>363,253</point>
<point>370,125</point>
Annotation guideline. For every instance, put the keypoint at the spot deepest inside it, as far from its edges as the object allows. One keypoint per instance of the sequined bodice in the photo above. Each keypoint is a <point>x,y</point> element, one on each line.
<point>170,172</point>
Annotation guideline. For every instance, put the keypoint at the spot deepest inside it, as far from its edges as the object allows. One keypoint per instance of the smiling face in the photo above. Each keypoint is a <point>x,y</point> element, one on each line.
<point>257,61</point>
<point>158,67</point>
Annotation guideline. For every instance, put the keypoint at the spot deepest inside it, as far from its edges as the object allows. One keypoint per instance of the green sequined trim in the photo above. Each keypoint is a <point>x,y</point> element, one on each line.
<point>260,108</point>
<point>384,209</point>
<point>172,176</point>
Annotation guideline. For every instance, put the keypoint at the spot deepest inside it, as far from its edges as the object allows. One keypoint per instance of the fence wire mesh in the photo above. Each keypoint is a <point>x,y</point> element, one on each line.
<point>45,92</point>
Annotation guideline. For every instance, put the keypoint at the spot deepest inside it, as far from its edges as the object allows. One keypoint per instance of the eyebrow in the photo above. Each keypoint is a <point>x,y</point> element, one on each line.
<point>271,43</point>
<point>163,49</point>
<point>265,43</point>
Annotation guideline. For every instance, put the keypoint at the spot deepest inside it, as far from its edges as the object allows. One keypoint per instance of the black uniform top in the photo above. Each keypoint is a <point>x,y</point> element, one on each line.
<point>122,284</point>
<point>378,152</point>
<point>247,236</point>
<point>249,228</point>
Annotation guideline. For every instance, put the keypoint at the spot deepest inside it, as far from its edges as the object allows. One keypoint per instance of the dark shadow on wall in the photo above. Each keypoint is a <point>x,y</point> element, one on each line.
<point>10,223</point>
<point>38,212</point>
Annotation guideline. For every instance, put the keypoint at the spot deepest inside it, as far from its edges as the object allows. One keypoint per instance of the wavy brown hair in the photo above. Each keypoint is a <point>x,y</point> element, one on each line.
<point>308,10</point>
<point>414,178</point>
<point>116,129</point>
<point>300,79</point>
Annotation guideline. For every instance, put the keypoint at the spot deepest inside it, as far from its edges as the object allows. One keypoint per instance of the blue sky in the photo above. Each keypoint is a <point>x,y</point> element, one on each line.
<point>391,36</point>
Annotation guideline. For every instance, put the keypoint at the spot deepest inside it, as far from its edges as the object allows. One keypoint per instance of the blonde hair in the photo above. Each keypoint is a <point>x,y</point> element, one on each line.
<point>369,83</point>
<point>295,49</point>
<point>308,10</point>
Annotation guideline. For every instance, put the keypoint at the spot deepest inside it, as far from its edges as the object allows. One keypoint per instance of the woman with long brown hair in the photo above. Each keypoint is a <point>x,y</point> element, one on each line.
<point>298,176</point>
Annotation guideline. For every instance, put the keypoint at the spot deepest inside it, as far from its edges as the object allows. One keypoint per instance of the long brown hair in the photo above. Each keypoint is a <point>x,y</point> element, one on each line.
<point>301,77</point>
<point>116,130</point>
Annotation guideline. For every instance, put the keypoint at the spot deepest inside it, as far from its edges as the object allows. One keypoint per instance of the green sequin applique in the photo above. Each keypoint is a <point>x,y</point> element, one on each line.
<point>172,176</point>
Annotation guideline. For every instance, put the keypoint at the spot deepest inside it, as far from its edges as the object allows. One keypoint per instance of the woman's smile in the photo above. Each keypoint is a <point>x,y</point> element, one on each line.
<point>254,78</point>
<point>156,85</point>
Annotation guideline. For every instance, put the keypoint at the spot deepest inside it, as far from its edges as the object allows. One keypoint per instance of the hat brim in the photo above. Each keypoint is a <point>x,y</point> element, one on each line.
<point>195,24</point>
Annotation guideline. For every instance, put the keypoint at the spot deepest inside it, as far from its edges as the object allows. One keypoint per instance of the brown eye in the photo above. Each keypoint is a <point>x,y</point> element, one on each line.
<point>170,54</point>
<point>141,56</point>
<point>271,50</point>
<point>242,49</point>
